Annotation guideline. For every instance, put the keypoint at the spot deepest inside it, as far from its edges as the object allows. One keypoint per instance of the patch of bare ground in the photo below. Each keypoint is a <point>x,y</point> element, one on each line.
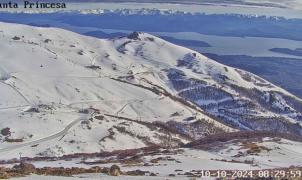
<point>240,136</point>
<point>234,161</point>
<point>253,148</point>
<point>246,175</point>
<point>26,169</point>
<point>130,157</point>
<point>120,155</point>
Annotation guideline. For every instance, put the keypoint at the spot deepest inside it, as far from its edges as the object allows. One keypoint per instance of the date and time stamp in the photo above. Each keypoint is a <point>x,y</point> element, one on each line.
<point>251,173</point>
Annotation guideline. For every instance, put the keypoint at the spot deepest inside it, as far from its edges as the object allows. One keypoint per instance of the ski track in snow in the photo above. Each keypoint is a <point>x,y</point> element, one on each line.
<point>48,138</point>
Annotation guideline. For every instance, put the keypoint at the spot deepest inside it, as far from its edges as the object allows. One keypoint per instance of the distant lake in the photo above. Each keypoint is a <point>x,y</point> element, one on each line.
<point>239,41</point>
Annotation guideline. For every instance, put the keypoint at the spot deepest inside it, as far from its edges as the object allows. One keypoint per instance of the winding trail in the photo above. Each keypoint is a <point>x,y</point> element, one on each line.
<point>17,91</point>
<point>48,138</point>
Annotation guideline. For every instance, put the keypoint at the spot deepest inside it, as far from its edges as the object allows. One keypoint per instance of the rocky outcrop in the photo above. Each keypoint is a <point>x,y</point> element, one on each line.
<point>114,170</point>
<point>134,36</point>
<point>25,168</point>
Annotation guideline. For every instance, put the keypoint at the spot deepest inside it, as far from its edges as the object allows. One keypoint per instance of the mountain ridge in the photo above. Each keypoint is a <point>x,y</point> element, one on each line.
<point>126,92</point>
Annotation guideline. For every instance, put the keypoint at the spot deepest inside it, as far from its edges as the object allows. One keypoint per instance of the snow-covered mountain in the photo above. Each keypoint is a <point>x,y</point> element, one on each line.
<point>284,8</point>
<point>64,93</point>
<point>51,77</point>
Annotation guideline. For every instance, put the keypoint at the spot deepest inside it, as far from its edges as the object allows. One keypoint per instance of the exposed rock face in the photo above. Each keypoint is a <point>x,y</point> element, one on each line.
<point>134,35</point>
<point>137,173</point>
<point>114,170</point>
<point>61,171</point>
<point>25,168</point>
<point>5,131</point>
<point>3,173</point>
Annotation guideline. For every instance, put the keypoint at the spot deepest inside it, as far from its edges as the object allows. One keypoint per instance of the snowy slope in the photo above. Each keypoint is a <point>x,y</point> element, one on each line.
<point>64,93</point>
<point>232,95</point>
<point>247,155</point>
<point>53,77</point>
